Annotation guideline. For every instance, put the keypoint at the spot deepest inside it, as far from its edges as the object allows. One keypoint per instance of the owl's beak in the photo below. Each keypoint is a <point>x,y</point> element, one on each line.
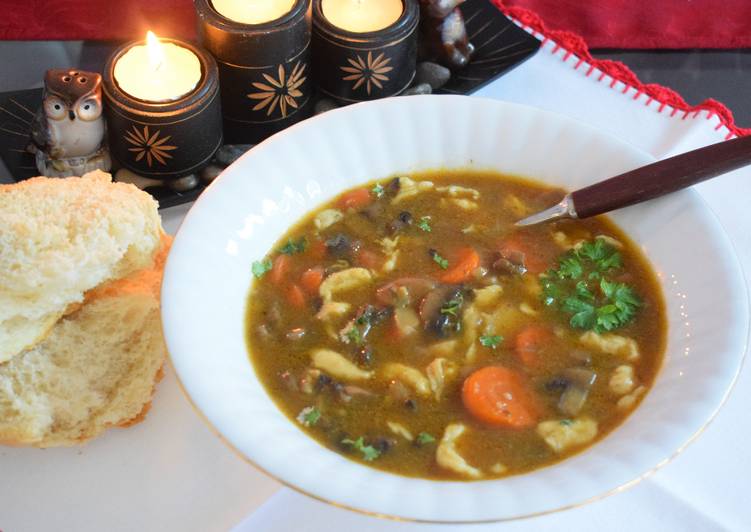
<point>71,115</point>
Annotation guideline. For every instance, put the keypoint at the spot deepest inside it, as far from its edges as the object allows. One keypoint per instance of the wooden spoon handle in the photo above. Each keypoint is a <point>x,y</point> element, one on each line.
<point>662,177</point>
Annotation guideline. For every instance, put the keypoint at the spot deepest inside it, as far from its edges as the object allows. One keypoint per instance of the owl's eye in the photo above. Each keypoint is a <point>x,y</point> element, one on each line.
<point>55,108</point>
<point>89,109</point>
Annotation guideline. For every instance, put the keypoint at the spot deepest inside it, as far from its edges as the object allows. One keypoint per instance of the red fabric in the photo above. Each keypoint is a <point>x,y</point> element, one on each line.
<point>649,23</point>
<point>602,23</point>
<point>95,19</point>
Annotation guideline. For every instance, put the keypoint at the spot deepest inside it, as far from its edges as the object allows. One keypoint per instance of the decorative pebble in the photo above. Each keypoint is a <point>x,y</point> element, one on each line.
<point>184,184</point>
<point>433,74</point>
<point>229,153</point>
<point>123,175</point>
<point>422,88</point>
<point>324,104</point>
<point>210,173</point>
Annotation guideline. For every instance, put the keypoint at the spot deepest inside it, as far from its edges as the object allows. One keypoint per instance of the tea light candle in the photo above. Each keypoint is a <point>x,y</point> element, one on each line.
<point>253,11</point>
<point>262,50</point>
<point>162,106</point>
<point>158,72</point>
<point>364,49</point>
<point>362,16</point>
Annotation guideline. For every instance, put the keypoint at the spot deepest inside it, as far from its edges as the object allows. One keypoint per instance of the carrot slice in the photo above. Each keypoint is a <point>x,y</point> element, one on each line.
<point>311,279</point>
<point>466,263</point>
<point>367,259</point>
<point>499,396</point>
<point>317,250</point>
<point>279,269</point>
<point>355,199</point>
<point>295,296</point>
<point>535,260</point>
<point>530,341</point>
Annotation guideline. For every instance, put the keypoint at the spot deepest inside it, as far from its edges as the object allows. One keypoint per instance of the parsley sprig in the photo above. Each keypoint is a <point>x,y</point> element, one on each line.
<point>369,453</point>
<point>292,246</point>
<point>424,224</point>
<point>260,267</point>
<point>491,341</point>
<point>378,190</point>
<point>579,288</point>
<point>440,261</point>
<point>309,416</point>
<point>424,438</point>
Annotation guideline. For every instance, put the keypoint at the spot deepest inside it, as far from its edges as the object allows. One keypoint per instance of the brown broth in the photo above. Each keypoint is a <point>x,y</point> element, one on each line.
<point>281,362</point>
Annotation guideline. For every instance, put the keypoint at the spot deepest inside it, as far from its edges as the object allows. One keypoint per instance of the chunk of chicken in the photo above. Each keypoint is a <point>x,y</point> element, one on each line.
<point>455,191</point>
<point>327,218</point>
<point>611,344</point>
<point>400,430</point>
<point>338,366</point>
<point>409,188</point>
<point>439,372</point>
<point>628,401</point>
<point>622,381</point>
<point>485,297</point>
<point>408,375</point>
<point>389,248</point>
<point>343,281</point>
<point>561,435</point>
<point>449,458</point>
<point>333,309</point>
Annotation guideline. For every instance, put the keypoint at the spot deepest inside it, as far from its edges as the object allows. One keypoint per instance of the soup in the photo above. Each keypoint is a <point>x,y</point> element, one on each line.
<point>409,325</point>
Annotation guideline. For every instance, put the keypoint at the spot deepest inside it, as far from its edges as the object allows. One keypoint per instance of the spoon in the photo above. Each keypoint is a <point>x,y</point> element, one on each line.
<point>649,182</point>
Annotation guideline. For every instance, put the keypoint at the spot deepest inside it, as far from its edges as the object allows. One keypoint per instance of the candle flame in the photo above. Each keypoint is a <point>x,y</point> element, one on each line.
<point>154,47</point>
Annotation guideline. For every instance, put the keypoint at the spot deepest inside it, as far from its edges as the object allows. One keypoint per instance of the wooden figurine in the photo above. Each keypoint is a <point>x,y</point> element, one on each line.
<point>443,34</point>
<point>68,130</point>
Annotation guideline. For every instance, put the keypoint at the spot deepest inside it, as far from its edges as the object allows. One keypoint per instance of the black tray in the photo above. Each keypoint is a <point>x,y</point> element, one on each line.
<point>500,46</point>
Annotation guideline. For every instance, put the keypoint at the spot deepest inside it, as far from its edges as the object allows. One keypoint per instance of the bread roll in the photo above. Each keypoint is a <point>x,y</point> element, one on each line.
<point>60,238</point>
<point>96,368</point>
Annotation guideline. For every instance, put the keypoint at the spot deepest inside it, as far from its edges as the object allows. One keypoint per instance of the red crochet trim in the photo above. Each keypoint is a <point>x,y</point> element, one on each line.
<point>575,44</point>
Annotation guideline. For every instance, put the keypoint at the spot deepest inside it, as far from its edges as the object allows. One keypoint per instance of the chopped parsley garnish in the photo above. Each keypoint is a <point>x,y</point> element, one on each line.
<point>260,267</point>
<point>354,335</point>
<point>443,263</point>
<point>424,438</point>
<point>369,453</point>
<point>424,224</point>
<point>566,422</point>
<point>491,341</point>
<point>378,190</point>
<point>292,247</point>
<point>579,288</point>
<point>309,416</point>
<point>452,306</point>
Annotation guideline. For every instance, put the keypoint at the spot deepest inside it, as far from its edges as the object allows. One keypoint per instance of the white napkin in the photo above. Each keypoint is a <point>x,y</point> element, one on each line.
<point>707,487</point>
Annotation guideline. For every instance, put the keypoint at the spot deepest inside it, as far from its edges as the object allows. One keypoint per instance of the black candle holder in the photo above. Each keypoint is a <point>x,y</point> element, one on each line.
<point>355,67</point>
<point>164,140</point>
<point>264,70</point>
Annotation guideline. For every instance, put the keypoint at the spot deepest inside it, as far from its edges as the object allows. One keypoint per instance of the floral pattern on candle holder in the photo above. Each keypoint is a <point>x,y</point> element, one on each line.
<point>280,92</point>
<point>369,72</point>
<point>149,145</point>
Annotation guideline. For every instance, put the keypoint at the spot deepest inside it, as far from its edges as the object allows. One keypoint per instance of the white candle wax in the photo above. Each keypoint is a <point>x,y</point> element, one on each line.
<point>361,16</point>
<point>253,11</point>
<point>158,72</point>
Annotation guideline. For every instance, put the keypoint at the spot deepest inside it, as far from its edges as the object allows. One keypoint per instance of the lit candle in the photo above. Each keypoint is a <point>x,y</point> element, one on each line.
<point>362,16</point>
<point>158,72</point>
<point>253,11</point>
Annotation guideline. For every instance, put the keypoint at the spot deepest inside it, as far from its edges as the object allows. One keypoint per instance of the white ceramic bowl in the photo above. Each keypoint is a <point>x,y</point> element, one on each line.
<point>252,204</point>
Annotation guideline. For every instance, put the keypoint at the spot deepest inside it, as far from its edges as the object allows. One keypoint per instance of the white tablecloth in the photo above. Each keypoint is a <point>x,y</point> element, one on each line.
<point>707,487</point>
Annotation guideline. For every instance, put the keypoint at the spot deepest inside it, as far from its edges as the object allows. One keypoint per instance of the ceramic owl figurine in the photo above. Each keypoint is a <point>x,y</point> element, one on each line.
<point>68,131</point>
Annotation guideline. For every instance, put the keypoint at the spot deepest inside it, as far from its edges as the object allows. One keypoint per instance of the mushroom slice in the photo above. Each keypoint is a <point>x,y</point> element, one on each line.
<point>410,376</point>
<point>447,456</point>
<point>338,366</point>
